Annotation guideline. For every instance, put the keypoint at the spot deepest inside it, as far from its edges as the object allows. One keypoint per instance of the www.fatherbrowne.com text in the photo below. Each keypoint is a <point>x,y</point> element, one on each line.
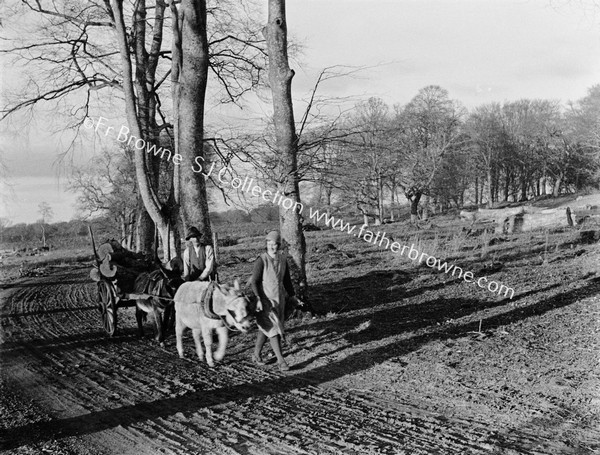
<point>247,185</point>
<point>382,240</point>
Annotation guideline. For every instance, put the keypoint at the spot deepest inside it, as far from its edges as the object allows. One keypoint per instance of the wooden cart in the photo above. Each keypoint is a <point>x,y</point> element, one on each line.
<point>114,283</point>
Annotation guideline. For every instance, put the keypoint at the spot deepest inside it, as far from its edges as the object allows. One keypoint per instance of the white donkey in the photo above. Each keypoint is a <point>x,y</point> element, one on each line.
<point>206,306</point>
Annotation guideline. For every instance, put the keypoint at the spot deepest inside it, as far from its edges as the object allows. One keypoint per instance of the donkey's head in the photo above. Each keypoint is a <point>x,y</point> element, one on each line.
<point>233,305</point>
<point>171,279</point>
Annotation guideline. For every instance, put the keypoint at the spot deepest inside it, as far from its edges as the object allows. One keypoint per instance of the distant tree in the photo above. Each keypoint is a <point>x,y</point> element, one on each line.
<point>107,186</point>
<point>46,213</point>
<point>531,127</point>
<point>366,161</point>
<point>487,140</point>
<point>427,129</point>
<point>4,223</point>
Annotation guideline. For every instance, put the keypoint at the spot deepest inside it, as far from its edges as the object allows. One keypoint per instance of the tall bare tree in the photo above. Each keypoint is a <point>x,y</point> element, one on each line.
<point>80,59</point>
<point>280,79</point>
<point>46,212</point>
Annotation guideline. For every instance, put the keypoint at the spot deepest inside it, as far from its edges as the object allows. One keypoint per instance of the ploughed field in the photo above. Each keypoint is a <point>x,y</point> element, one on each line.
<point>405,359</point>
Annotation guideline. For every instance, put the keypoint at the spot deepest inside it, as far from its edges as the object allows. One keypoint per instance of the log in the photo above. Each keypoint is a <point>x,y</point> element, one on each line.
<point>581,214</point>
<point>120,265</point>
<point>497,215</point>
<point>95,274</point>
<point>124,276</point>
<point>123,256</point>
<point>107,269</point>
<point>546,219</point>
<point>103,250</point>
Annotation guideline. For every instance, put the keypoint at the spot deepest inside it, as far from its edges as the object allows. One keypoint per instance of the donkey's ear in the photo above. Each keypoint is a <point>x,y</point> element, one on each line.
<point>236,285</point>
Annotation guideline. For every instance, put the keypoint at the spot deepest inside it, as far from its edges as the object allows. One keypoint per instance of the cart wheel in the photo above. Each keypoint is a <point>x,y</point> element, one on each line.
<point>107,300</point>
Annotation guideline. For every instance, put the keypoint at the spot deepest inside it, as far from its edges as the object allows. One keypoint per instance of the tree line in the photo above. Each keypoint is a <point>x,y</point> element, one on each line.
<point>436,154</point>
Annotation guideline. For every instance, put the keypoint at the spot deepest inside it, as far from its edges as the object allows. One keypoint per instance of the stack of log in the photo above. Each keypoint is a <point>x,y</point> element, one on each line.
<point>521,219</point>
<point>119,264</point>
<point>586,212</point>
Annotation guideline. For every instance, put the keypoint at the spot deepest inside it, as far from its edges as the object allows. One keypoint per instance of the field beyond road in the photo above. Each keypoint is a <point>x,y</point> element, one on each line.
<point>402,360</point>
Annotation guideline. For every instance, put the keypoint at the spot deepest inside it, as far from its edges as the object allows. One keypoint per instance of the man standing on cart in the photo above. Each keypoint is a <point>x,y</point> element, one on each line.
<point>198,258</point>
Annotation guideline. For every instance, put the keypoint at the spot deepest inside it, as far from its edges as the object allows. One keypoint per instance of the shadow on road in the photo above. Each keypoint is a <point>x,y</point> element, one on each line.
<point>393,321</point>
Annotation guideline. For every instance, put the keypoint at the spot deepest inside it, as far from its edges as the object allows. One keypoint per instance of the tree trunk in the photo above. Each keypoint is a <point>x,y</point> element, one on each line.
<point>144,231</point>
<point>147,192</point>
<point>490,201</point>
<point>506,187</point>
<point>392,203</point>
<point>476,191</point>
<point>425,205</point>
<point>557,184</point>
<point>190,138</point>
<point>131,228</point>
<point>414,208</point>
<point>544,178</point>
<point>380,211</point>
<point>280,79</point>
<point>123,222</point>
<point>43,234</point>
<point>523,188</point>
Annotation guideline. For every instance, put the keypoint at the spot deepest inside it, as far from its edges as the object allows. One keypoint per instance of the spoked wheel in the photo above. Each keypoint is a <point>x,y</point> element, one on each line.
<point>107,300</point>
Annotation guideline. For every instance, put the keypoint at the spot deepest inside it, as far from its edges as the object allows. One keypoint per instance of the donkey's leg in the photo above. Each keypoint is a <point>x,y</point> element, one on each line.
<point>139,317</point>
<point>223,339</point>
<point>179,328</point>
<point>166,322</point>
<point>207,334</point>
<point>196,334</point>
<point>158,323</point>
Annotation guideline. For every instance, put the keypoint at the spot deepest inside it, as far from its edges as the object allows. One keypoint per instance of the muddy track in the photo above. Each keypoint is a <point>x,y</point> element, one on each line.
<point>125,395</point>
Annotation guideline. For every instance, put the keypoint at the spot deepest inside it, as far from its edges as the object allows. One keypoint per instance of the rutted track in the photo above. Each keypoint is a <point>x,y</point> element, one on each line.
<point>124,395</point>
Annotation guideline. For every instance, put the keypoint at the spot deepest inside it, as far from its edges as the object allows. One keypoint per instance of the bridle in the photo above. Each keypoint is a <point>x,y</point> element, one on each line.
<point>234,327</point>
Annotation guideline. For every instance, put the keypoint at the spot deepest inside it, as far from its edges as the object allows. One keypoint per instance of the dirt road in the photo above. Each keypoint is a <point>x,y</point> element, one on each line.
<point>67,388</point>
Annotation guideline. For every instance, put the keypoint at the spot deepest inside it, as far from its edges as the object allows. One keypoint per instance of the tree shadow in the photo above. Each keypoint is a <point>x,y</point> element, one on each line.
<point>365,291</point>
<point>191,402</point>
<point>365,359</point>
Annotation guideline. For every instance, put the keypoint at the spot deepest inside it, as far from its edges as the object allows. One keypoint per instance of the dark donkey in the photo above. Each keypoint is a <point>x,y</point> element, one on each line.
<point>162,284</point>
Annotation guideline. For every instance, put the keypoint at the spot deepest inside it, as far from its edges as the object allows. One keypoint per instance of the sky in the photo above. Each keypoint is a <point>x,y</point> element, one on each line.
<point>479,50</point>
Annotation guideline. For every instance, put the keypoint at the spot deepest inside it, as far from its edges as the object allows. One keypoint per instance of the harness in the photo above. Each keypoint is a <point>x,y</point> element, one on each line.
<point>152,285</point>
<point>206,300</point>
